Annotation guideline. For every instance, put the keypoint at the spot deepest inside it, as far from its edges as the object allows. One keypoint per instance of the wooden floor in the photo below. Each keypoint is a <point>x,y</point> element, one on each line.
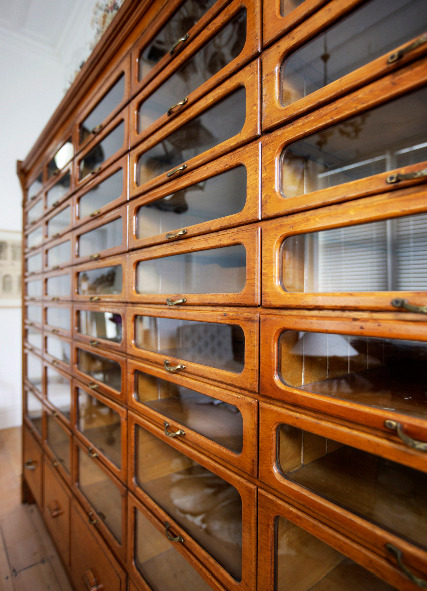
<point>28,559</point>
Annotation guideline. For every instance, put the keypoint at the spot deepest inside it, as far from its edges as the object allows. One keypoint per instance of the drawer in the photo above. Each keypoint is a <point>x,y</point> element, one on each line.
<point>35,211</point>
<point>101,325</point>
<point>102,281</point>
<point>58,443</point>
<point>59,190</point>
<point>59,253</point>
<point>92,563</point>
<point>58,351</point>
<point>33,263</point>
<point>219,346</point>
<point>217,422</point>
<point>368,256</point>
<point>33,288</point>
<point>224,46</point>
<point>33,314</point>
<point>32,465</point>
<point>33,339</point>
<point>298,552</point>
<point>59,221</point>
<point>319,466</point>
<point>33,411</point>
<point>59,156</point>
<point>34,237</point>
<point>361,145</point>
<point>58,286</point>
<point>58,390</point>
<point>58,319</point>
<point>280,16</point>
<point>33,370</point>
<point>202,501</point>
<point>57,507</point>
<point>222,194</point>
<point>34,188</point>
<point>219,269</point>
<point>219,122</point>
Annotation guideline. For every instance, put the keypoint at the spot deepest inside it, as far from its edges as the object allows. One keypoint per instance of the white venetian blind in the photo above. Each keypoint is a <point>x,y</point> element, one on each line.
<point>411,253</point>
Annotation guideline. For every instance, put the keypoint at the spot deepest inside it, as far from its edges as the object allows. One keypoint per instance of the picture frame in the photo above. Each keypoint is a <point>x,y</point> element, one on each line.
<point>10,269</point>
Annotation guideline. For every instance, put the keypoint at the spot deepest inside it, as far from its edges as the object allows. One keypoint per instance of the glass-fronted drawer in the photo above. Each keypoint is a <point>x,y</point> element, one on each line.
<point>101,326</point>
<point>35,212</point>
<point>208,61</point>
<point>34,238</point>
<point>59,253</point>
<point>58,390</point>
<point>58,286</point>
<point>34,263</point>
<point>220,268</point>
<point>105,372</point>
<point>59,190</point>
<point>104,237</point>
<point>33,288</point>
<point>371,255</point>
<point>58,440</point>
<point>279,16</point>
<point>106,192</point>
<point>33,314</point>
<point>219,346</point>
<point>206,501</point>
<point>207,417</point>
<point>33,370</point>
<point>59,222</point>
<point>100,281</point>
<point>61,158</point>
<point>32,458</point>
<point>58,319</point>
<point>33,409</point>
<point>57,501</point>
<point>33,337</point>
<point>223,194</point>
<point>35,187</point>
<point>219,122</point>
<point>57,350</point>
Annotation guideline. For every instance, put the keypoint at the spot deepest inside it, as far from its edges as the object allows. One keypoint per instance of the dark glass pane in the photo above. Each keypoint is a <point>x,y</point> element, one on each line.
<point>34,338</point>
<point>101,195</point>
<point>58,317</point>
<point>35,263</point>
<point>34,411</point>
<point>59,442</point>
<point>100,325</point>
<point>101,238</point>
<point>35,213</point>
<point>58,391</point>
<point>100,368</point>
<point>59,286</point>
<point>104,150</point>
<point>61,158</point>
<point>35,187</point>
<point>58,190</point>
<point>59,254</point>
<point>60,222</point>
<point>106,105</point>
<point>107,280</point>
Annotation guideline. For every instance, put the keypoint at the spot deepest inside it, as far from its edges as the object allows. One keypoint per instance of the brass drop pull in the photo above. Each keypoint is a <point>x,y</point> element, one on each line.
<point>178,104</point>
<point>397,553</point>
<point>171,302</point>
<point>92,519</point>
<point>54,413</point>
<point>33,197</point>
<point>172,538</point>
<point>93,257</point>
<point>179,169</point>
<point>395,426</point>
<point>55,299</point>
<point>178,42</point>
<point>55,362</point>
<point>96,129</point>
<point>95,170</point>
<point>57,235</point>
<point>172,368</point>
<point>397,55</point>
<point>93,386</point>
<point>95,213</point>
<point>54,509</point>
<point>172,235</point>
<point>55,203</point>
<point>405,305</point>
<point>398,177</point>
<point>90,581</point>
<point>92,453</point>
<point>55,331</point>
<point>94,298</point>
<point>56,268</point>
<point>173,434</point>
<point>30,465</point>
<point>94,343</point>
<point>54,463</point>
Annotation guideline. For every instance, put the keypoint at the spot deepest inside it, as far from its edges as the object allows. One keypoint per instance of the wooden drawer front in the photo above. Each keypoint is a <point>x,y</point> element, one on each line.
<point>298,552</point>
<point>368,372</point>
<point>373,500</point>
<point>33,339</point>
<point>33,314</point>
<point>365,256</point>
<point>58,440</point>
<point>100,281</point>
<point>34,238</point>
<point>218,423</point>
<point>360,145</point>
<point>58,390</point>
<point>100,325</point>
<point>106,192</point>
<point>33,370</point>
<point>57,319</point>
<point>33,263</point>
<point>33,410</point>
<point>34,188</point>
<point>220,346</point>
<point>102,370</point>
<point>35,211</point>
<point>160,561</point>
<point>298,77</point>
<point>59,253</point>
<point>104,237</point>
<point>220,268</point>
<point>236,31</point>
<point>33,459</point>
<point>60,157</point>
<point>58,351</point>
<point>279,16</point>
<point>57,503</point>
<point>224,193</point>
<point>216,124</point>
<point>92,563</point>
<point>59,222</point>
<point>58,286</point>
<point>198,498</point>
<point>59,189</point>
<point>33,288</point>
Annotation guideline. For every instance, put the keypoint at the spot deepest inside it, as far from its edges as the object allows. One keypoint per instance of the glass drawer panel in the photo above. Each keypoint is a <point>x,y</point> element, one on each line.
<point>58,223</point>
<point>35,238</point>
<point>207,343</point>
<point>104,150</point>
<point>59,442</point>
<point>59,286</point>
<point>305,563</point>
<point>376,141</point>
<point>34,411</point>
<point>383,492</point>
<point>204,504</point>
<point>208,61</point>
<point>219,270</point>
<point>216,197</point>
<point>101,492</point>
<point>58,391</point>
<point>59,317</point>
<point>34,370</point>
<point>34,338</point>
<point>105,106</point>
<point>107,280</point>
<point>161,565</point>
<point>35,263</point>
<point>59,349</point>
<point>219,123</point>
<point>100,424</point>
<point>100,368</point>
<point>176,27</point>
<point>61,158</point>
<point>287,6</point>
<point>382,373</point>
<point>35,288</point>
<point>101,238</point>
<point>35,213</point>
<point>101,195</point>
<point>34,314</point>
<point>59,254</point>
<point>217,420</point>
<point>389,255</point>
<point>35,187</point>
<point>58,190</point>
<point>101,325</point>
<point>350,44</point>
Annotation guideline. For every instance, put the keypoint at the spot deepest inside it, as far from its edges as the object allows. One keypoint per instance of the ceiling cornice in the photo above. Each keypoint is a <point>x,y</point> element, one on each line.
<point>27,42</point>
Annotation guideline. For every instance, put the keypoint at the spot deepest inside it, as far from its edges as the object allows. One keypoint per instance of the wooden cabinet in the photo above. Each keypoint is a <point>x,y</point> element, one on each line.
<point>225,298</point>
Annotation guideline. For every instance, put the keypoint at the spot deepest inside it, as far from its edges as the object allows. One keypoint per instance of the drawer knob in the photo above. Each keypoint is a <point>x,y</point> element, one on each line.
<point>178,104</point>
<point>172,368</point>
<point>398,177</point>
<point>90,581</point>
<point>397,55</point>
<point>172,538</point>
<point>93,257</point>
<point>54,509</point>
<point>94,343</point>
<point>397,553</point>
<point>173,433</point>
<point>95,213</point>
<point>172,235</point>
<point>30,465</point>
<point>175,170</point>
<point>405,305</point>
<point>92,453</point>
<point>171,302</point>
<point>93,386</point>
<point>96,129</point>
<point>395,426</point>
<point>95,170</point>
<point>178,42</point>
<point>94,298</point>
<point>92,519</point>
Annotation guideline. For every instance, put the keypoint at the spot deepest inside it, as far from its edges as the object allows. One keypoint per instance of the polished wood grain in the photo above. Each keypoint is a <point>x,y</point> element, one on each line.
<point>101,291</point>
<point>276,24</point>
<point>101,337</point>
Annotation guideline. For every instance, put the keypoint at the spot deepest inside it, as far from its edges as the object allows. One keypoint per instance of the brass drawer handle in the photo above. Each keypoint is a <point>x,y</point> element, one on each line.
<point>94,298</point>
<point>175,170</point>
<point>54,509</point>
<point>93,257</point>
<point>172,538</point>
<point>56,268</point>
<point>55,299</point>
<point>30,465</point>
<point>172,368</point>
<point>397,553</point>
<point>54,463</point>
<point>92,519</point>
<point>96,129</point>
<point>55,331</point>
<point>173,433</point>
<point>178,42</point>
<point>397,177</point>
<point>172,235</point>
<point>178,104</point>
<point>55,362</point>
<point>95,213</point>
<point>95,170</point>
<point>405,305</point>
<point>397,55</point>
<point>91,581</point>
<point>55,204</point>
<point>171,302</point>
<point>57,235</point>
<point>33,197</point>
<point>395,426</point>
<point>94,343</point>
<point>92,453</point>
<point>93,386</point>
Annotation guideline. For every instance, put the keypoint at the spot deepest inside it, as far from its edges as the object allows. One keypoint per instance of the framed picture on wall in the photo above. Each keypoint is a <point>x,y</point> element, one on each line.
<point>10,269</point>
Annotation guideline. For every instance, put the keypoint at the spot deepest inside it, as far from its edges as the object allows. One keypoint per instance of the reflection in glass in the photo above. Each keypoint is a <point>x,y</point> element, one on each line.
<point>35,238</point>
<point>376,141</point>
<point>387,494</point>
<point>59,442</point>
<point>35,213</point>
<point>100,368</point>
<point>206,506</point>
<point>34,338</point>
<point>34,314</point>
<point>104,150</point>
<point>35,263</point>
<point>61,158</point>
<point>59,254</point>
<point>105,280</point>
<point>58,317</point>
<point>106,105</point>
<point>59,349</point>
<point>35,187</point>
<point>101,195</point>
<point>35,288</point>
<point>58,391</point>
<point>286,6</point>
<point>350,44</point>
<point>389,255</point>
<point>217,420</point>
<point>34,410</point>
<point>219,270</point>
<point>102,238</point>
<point>59,286</point>
<point>59,189</point>
<point>100,325</point>
<point>216,125</point>
<point>59,223</point>
<point>34,370</point>
<point>216,197</point>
